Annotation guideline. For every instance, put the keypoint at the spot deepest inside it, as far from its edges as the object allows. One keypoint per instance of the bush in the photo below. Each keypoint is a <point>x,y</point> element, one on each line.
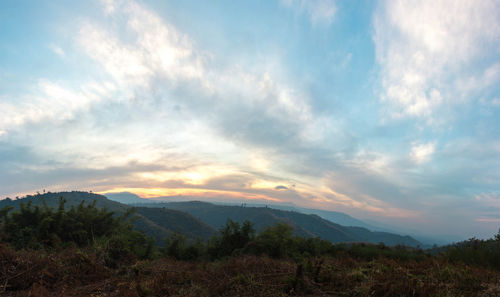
<point>82,226</point>
<point>475,251</point>
<point>232,239</point>
<point>177,247</point>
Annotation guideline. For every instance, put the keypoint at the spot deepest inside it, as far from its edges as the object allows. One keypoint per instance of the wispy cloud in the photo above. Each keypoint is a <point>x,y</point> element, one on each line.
<point>161,60</point>
<point>426,48</point>
<point>57,50</point>
<point>49,101</point>
<point>489,199</point>
<point>319,11</point>
<point>421,153</point>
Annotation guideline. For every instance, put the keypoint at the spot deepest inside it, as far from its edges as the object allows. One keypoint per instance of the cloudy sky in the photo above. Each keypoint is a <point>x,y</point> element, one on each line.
<point>385,110</point>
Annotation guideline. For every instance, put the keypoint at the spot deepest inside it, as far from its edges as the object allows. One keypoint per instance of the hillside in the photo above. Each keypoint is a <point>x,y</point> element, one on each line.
<point>308,225</point>
<point>332,216</point>
<point>158,223</point>
<point>336,217</point>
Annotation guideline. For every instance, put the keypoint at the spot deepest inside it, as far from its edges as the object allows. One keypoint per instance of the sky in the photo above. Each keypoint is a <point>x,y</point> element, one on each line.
<point>384,110</point>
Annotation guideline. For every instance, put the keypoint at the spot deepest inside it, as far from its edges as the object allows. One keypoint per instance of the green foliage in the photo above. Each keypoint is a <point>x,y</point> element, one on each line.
<point>154,222</point>
<point>278,242</point>
<point>177,247</point>
<point>371,251</point>
<point>233,237</point>
<point>475,251</point>
<point>43,227</point>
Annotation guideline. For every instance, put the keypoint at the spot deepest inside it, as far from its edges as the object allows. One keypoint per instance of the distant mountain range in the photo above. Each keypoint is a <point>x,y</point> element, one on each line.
<point>126,198</point>
<point>197,219</point>
<point>307,225</point>
<point>332,216</point>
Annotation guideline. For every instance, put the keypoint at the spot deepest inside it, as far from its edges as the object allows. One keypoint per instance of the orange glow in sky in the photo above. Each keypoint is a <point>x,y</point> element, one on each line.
<point>200,193</point>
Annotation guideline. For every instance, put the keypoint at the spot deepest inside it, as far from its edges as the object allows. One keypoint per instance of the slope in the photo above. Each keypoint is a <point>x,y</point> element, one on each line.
<point>305,225</point>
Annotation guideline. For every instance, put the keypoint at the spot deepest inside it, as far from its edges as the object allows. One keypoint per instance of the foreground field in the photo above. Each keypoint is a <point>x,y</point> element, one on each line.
<point>73,272</point>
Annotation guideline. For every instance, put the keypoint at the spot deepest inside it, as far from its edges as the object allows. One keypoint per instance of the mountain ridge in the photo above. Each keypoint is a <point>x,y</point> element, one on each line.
<point>336,217</point>
<point>196,219</point>
<point>308,225</point>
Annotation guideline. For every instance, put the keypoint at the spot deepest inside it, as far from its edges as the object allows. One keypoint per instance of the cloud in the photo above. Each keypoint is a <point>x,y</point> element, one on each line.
<point>280,187</point>
<point>489,199</point>
<point>162,99</point>
<point>159,65</point>
<point>156,78</point>
<point>426,48</point>
<point>489,220</point>
<point>421,153</point>
<point>319,11</point>
<point>159,114</point>
<point>50,101</point>
<point>57,50</point>
<point>495,102</point>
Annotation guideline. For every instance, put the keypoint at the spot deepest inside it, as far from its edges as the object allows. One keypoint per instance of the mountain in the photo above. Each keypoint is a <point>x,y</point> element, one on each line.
<point>126,198</point>
<point>429,240</point>
<point>332,216</point>
<point>336,217</point>
<point>346,220</point>
<point>308,225</point>
<point>158,223</point>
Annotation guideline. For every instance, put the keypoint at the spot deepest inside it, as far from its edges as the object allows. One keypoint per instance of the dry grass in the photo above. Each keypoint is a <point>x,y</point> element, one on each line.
<point>75,273</point>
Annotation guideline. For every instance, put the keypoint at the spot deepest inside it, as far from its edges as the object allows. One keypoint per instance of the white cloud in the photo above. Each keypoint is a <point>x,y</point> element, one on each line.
<point>426,47</point>
<point>109,6</point>
<point>51,101</point>
<point>319,11</point>
<point>57,50</point>
<point>156,57</point>
<point>161,95</point>
<point>473,84</point>
<point>421,153</point>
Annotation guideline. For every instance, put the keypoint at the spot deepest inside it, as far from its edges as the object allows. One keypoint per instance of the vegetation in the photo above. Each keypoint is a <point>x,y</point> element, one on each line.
<point>84,226</point>
<point>476,252</point>
<point>201,220</point>
<point>157,223</point>
<point>73,272</point>
<point>278,242</point>
<point>84,250</point>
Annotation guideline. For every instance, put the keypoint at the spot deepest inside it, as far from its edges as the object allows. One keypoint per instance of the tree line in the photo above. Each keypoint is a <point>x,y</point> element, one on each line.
<point>88,227</point>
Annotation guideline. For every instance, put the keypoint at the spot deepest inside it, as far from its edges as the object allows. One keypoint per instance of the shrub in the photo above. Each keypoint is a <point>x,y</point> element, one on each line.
<point>82,226</point>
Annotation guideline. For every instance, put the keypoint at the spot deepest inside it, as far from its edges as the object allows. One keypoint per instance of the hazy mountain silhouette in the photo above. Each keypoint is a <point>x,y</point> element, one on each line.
<point>126,198</point>
<point>308,225</point>
<point>196,219</point>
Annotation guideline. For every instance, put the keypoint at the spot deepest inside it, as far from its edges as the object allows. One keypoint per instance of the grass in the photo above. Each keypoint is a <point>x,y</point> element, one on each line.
<point>77,272</point>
